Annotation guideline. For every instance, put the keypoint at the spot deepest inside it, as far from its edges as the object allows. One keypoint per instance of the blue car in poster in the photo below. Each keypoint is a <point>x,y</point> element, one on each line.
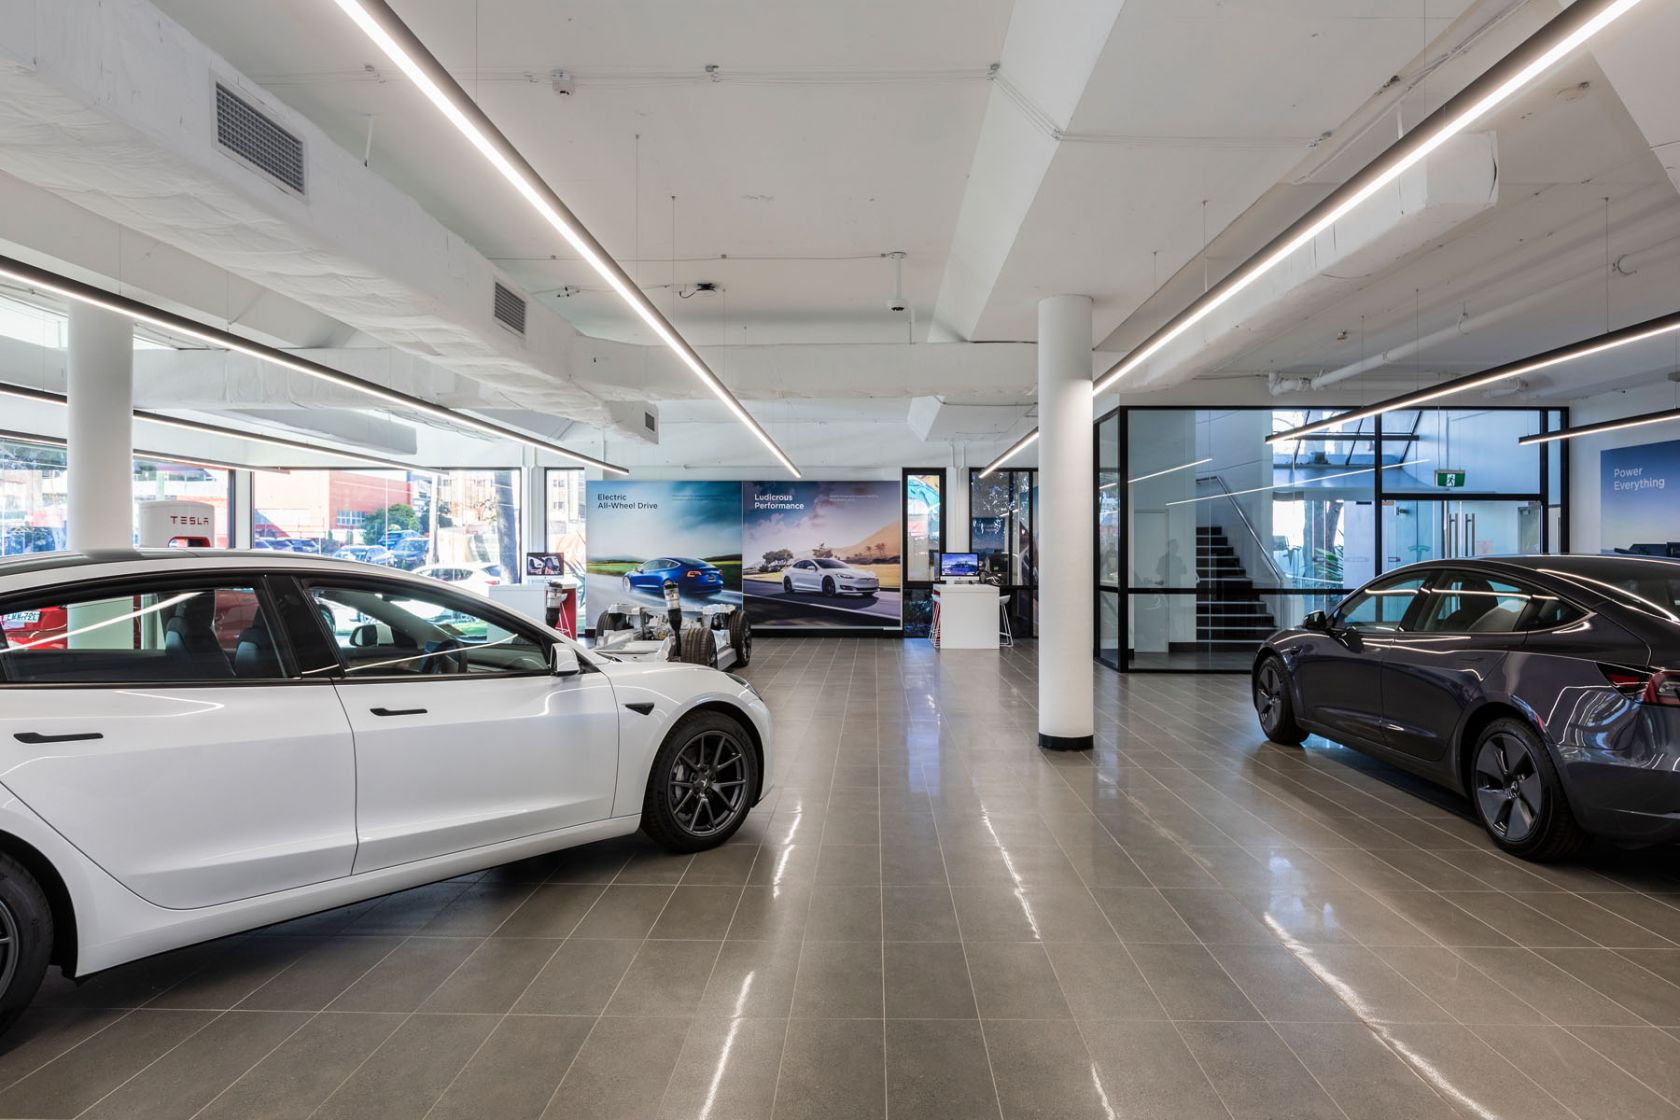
<point>694,577</point>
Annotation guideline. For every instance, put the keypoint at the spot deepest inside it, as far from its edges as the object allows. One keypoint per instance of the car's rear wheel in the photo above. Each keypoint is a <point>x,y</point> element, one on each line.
<point>1273,704</point>
<point>1519,797</point>
<point>702,783</point>
<point>26,939</point>
<point>740,638</point>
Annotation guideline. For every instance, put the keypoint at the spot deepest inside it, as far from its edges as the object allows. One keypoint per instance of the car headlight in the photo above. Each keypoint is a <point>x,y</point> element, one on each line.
<point>746,684</point>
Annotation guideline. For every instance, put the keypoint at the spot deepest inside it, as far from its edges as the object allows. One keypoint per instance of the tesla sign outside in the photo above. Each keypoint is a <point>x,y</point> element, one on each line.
<point>1451,480</point>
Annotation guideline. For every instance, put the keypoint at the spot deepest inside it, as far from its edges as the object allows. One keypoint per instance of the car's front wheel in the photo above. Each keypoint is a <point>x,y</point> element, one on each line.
<point>1273,704</point>
<point>1519,797</point>
<point>828,586</point>
<point>26,939</point>
<point>787,585</point>
<point>702,783</point>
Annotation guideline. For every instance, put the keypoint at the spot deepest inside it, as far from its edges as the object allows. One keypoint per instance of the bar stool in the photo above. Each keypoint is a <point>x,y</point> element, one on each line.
<point>1004,630</point>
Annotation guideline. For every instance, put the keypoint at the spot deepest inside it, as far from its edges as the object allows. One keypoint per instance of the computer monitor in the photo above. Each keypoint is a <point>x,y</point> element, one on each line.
<point>959,565</point>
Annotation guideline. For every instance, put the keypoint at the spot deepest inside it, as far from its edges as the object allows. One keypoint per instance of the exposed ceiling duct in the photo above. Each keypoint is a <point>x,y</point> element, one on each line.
<point>1456,183</point>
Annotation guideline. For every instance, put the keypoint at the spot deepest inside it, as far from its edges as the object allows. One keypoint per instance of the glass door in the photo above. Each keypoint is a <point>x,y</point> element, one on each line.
<point>1447,529</point>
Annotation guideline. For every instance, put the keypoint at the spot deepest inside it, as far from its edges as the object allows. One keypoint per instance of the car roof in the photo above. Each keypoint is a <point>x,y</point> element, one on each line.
<point>46,568</point>
<point>1592,565</point>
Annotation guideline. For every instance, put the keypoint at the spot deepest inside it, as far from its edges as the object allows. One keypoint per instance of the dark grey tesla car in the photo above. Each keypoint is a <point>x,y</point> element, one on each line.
<point>1546,688</point>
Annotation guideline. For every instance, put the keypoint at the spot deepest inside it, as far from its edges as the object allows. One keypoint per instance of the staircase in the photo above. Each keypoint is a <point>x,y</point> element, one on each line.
<point>1230,614</point>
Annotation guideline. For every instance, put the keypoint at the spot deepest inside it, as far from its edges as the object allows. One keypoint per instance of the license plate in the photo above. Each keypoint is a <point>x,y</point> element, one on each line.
<point>18,619</point>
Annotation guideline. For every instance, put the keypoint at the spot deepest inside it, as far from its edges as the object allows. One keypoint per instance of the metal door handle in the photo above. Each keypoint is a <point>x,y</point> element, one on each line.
<point>35,738</point>
<point>398,711</point>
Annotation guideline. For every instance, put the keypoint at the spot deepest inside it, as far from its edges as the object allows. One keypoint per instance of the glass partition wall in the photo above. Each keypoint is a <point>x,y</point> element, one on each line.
<point>923,519</point>
<point>1003,533</point>
<point>1223,538</point>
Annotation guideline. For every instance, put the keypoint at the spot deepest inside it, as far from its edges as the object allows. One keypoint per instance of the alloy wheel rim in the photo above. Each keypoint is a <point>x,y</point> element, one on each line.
<point>708,784</point>
<point>1509,792</point>
<point>1270,697</point>
<point>9,947</point>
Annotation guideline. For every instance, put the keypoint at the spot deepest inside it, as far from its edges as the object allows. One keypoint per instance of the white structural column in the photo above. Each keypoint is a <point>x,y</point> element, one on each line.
<point>1066,498</point>
<point>99,380</point>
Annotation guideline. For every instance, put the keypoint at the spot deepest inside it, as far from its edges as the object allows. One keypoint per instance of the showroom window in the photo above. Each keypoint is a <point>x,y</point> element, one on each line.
<point>1003,520</point>
<point>1221,538</point>
<point>34,495</point>
<point>424,519</point>
<point>564,522</point>
<point>924,536</point>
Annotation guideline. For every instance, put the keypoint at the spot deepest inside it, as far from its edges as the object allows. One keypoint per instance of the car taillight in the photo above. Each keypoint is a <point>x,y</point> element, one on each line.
<point>1653,686</point>
<point>491,580</point>
<point>691,574</point>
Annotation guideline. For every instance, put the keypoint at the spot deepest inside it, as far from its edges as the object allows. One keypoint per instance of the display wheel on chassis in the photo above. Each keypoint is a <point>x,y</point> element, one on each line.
<point>1546,689</point>
<point>200,743</point>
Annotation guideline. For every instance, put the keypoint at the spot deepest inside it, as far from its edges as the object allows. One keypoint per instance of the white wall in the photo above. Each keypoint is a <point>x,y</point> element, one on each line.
<point>1584,521</point>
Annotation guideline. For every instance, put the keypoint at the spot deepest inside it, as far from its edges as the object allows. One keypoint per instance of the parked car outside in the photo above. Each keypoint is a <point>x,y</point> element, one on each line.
<point>365,554</point>
<point>361,732</point>
<point>410,552</point>
<point>828,576</point>
<point>1544,688</point>
<point>695,577</point>
<point>477,577</point>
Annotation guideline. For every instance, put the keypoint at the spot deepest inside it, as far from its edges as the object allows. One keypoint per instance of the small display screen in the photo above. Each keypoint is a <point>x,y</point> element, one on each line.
<point>545,564</point>
<point>959,565</point>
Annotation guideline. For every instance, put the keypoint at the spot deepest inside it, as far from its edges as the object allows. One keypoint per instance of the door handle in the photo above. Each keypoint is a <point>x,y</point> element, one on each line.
<point>398,711</point>
<point>35,738</point>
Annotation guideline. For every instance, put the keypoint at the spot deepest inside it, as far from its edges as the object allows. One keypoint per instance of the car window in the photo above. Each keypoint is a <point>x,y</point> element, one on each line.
<point>830,564</point>
<point>1471,603</point>
<point>392,631</point>
<point>1380,607</point>
<point>186,635</point>
<point>1551,611</point>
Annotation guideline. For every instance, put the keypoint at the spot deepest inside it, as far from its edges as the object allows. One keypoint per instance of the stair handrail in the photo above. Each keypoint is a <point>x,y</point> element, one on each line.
<point>1263,548</point>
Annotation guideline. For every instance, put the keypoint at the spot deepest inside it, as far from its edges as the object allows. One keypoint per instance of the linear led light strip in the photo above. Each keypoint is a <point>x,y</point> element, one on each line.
<point>1599,344</point>
<point>46,397</point>
<point>1156,474</point>
<point>392,36</point>
<point>46,281</point>
<point>1299,484</point>
<point>1537,54</point>
<point>1667,416</point>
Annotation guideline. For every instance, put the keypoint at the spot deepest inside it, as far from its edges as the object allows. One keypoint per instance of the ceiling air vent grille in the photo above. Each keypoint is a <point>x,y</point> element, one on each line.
<point>256,138</point>
<point>510,309</point>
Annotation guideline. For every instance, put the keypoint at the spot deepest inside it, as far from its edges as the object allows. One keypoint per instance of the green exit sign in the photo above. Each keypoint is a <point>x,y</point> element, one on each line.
<point>1451,480</point>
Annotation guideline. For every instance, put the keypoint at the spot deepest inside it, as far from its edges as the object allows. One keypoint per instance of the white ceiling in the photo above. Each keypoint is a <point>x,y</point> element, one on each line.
<point>830,134</point>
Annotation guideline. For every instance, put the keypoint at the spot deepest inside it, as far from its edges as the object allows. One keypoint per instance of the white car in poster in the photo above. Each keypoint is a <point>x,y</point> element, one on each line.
<point>203,742</point>
<point>828,576</point>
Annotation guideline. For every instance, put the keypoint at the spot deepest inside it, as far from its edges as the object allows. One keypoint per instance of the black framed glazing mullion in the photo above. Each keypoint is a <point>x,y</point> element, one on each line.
<point>1545,487</point>
<point>1381,556</point>
<point>1123,563</point>
<point>1563,484</point>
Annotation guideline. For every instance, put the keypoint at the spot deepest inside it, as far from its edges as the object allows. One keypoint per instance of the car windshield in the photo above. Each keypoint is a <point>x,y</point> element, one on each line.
<point>830,564</point>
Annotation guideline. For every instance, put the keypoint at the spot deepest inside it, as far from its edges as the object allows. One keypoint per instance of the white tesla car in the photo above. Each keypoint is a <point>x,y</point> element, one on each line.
<point>828,576</point>
<point>199,743</point>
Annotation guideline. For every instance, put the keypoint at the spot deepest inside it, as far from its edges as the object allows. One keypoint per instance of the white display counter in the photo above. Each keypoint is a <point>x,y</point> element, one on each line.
<point>965,616</point>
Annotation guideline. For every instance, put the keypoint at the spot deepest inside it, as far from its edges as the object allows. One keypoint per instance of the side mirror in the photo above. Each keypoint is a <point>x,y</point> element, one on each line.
<point>367,634</point>
<point>1317,620</point>
<point>563,660</point>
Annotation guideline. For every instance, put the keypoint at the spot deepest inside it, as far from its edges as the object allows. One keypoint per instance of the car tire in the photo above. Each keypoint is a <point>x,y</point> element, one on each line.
<point>698,646</point>
<point>609,622</point>
<point>1274,705</point>
<point>787,585</point>
<point>625,581</point>
<point>828,586</point>
<point>667,818</point>
<point>1518,795</point>
<point>740,638</point>
<point>26,918</point>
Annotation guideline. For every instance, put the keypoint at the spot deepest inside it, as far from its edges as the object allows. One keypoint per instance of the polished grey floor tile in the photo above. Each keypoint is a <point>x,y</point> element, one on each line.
<point>77,1079</point>
<point>832,1069</point>
<point>930,918</point>
<point>727,1068</point>
<point>410,1070</point>
<point>622,1070</point>
<point>1255,1073</point>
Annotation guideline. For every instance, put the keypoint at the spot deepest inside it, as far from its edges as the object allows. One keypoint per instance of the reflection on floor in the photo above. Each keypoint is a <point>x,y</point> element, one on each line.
<point>931,919</point>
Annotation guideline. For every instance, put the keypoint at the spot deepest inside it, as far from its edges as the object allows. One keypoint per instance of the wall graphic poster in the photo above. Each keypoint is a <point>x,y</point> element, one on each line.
<point>1636,511</point>
<point>642,533</point>
<point>821,553</point>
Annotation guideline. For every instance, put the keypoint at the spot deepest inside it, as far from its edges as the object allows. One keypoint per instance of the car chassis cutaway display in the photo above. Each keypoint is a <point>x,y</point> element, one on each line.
<point>718,635</point>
